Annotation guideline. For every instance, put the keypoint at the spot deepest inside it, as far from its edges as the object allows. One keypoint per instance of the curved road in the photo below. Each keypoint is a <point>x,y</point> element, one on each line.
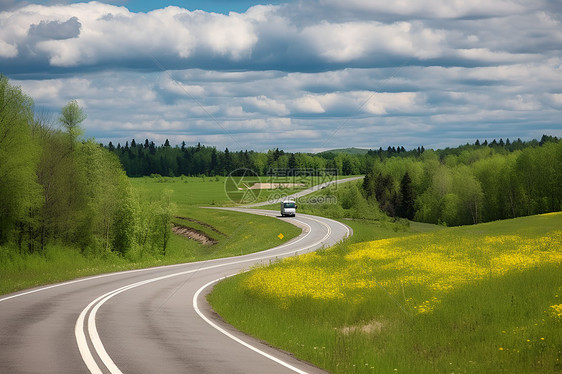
<point>147,321</point>
<point>303,193</point>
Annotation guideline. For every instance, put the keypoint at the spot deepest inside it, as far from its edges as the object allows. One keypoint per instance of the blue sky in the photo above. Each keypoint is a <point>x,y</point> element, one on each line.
<point>303,75</point>
<point>218,6</point>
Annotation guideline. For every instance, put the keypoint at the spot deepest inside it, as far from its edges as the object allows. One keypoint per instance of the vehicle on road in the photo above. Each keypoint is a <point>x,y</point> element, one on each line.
<point>288,208</point>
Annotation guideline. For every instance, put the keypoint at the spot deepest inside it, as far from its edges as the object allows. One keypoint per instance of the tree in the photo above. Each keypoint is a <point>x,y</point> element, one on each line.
<point>71,117</point>
<point>19,191</point>
<point>227,161</point>
<point>405,207</point>
<point>161,223</point>
<point>469,192</point>
<point>214,162</point>
<point>385,194</point>
<point>292,164</point>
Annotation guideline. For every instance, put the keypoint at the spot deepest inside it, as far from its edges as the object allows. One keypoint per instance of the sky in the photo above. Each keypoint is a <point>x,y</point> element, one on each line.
<point>301,75</point>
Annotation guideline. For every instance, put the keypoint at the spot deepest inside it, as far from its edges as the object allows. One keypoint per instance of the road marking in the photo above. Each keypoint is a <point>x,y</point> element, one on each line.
<point>91,278</point>
<point>91,310</point>
<point>247,345</point>
<point>238,340</point>
<point>95,305</point>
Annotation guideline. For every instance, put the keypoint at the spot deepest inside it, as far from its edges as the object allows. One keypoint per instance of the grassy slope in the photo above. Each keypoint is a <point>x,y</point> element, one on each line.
<point>484,298</point>
<point>241,234</point>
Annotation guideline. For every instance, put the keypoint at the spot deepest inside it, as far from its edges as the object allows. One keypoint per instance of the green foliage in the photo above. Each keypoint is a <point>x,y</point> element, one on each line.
<point>148,159</point>
<point>71,117</point>
<point>470,184</point>
<point>160,223</point>
<point>57,189</point>
<point>19,192</point>
<point>343,201</point>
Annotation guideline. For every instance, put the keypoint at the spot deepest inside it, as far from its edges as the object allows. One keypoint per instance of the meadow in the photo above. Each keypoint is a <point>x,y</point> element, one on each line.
<point>471,299</point>
<point>234,233</point>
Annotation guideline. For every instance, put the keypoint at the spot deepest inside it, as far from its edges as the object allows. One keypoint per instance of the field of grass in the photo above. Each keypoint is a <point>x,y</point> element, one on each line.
<point>235,233</point>
<point>474,299</point>
<point>215,191</point>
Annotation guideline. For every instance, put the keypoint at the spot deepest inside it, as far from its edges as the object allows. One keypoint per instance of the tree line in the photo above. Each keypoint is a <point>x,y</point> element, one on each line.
<point>57,188</point>
<point>146,158</point>
<point>470,184</point>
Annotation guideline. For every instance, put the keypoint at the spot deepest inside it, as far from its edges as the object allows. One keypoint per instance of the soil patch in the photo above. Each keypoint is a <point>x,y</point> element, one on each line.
<point>205,224</point>
<point>372,327</point>
<point>193,234</point>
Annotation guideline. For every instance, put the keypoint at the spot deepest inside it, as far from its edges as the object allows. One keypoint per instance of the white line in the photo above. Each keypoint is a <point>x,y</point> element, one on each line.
<point>238,340</point>
<point>96,277</point>
<point>67,283</point>
<point>83,343</point>
<point>91,326</point>
<point>267,355</point>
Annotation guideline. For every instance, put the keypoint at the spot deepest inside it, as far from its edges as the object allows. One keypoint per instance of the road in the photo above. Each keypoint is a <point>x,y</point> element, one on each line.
<point>147,321</point>
<point>303,193</point>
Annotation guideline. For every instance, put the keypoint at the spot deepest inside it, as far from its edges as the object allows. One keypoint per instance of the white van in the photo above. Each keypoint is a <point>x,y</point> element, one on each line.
<point>288,208</point>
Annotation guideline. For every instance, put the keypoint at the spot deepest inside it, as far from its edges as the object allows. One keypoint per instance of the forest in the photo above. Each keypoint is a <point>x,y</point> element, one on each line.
<point>56,187</point>
<point>470,184</point>
<point>145,159</point>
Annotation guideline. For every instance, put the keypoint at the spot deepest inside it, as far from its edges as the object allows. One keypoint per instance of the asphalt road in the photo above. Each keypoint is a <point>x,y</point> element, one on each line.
<point>147,321</point>
<point>303,193</point>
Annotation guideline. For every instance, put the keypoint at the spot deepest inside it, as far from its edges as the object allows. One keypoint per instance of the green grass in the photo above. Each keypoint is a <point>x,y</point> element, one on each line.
<point>240,233</point>
<point>474,299</point>
<point>211,191</point>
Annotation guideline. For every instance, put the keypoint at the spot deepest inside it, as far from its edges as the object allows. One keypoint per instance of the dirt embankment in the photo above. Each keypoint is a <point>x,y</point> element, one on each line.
<point>194,234</point>
<point>205,224</point>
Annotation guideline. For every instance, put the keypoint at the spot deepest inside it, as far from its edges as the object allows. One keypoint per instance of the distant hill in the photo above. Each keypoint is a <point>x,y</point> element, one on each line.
<point>349,151</point>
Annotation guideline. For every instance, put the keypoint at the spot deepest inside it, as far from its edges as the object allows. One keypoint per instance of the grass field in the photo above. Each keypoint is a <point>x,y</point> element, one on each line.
<point>214,191</point>
<point>235,233</point>
<point>475,299</point>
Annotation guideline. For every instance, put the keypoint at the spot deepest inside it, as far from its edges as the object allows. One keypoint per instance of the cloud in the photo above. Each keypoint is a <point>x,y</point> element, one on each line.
<point>432,8</point>
<point>265,104</point>
<point>55,30</point>
<point>308,104</point>
<point>351,41</point>
<point>7,50</point>
<point>299,76</point>
<point>97,36</point>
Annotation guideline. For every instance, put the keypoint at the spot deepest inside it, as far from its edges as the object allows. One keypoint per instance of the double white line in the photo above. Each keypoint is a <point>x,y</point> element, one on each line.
<point>89,328</point>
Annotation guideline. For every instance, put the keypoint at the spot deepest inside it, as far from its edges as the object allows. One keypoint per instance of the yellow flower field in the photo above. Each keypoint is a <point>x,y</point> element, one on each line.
<point>430,261</point>
<point>473,299</point>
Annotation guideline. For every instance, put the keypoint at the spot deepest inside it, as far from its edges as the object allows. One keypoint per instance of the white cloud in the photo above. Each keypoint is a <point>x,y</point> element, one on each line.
<point>7,50</point>
<point>265,104</point>
<point>177,88</point>
<point>387,103</point>
<point>305,75</point>
<point>88,34</point>
<point>555,100</point>
<point>434,8</point>
<point>110,33</point>
<point>308,104</point>
<point>344,42</point>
